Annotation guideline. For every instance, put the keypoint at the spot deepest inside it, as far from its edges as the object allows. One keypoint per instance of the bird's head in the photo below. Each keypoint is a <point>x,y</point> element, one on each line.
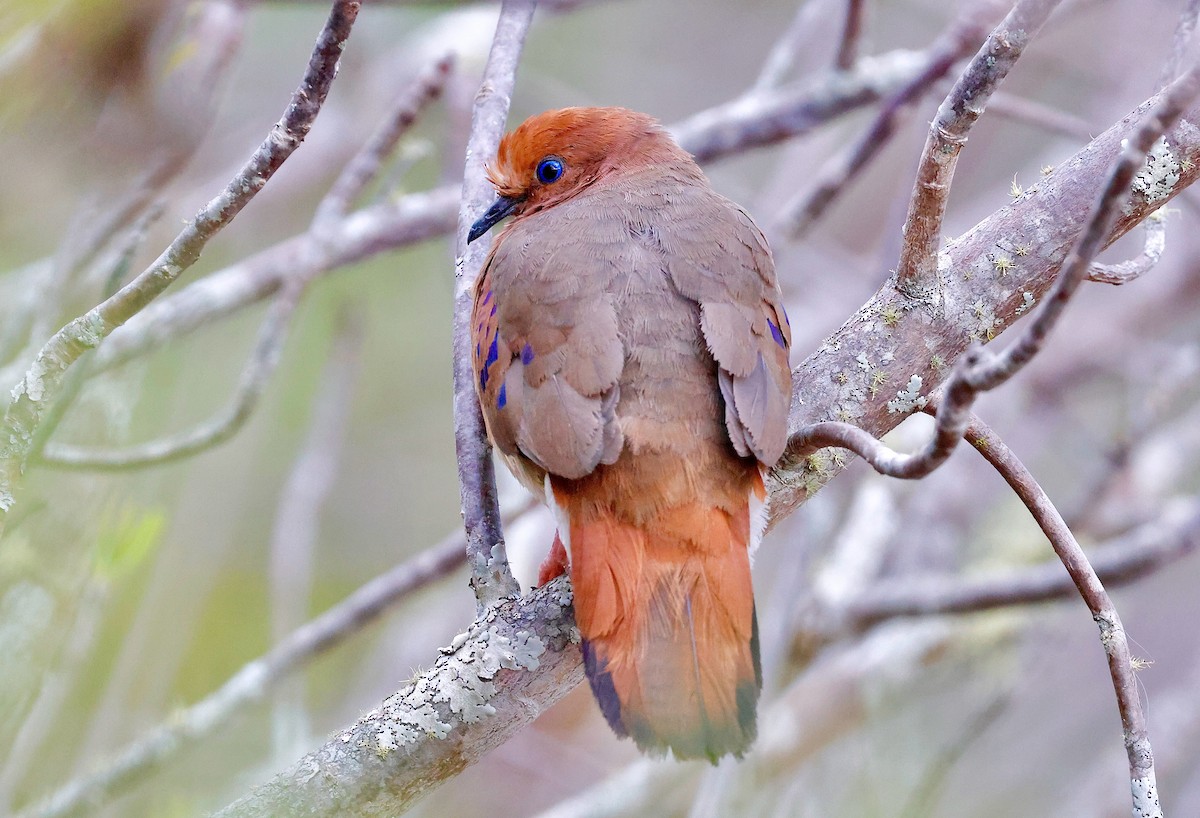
<point>555,155</point>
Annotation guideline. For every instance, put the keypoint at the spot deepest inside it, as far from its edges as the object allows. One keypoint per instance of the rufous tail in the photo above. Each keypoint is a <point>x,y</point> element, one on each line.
<point>666,611</point>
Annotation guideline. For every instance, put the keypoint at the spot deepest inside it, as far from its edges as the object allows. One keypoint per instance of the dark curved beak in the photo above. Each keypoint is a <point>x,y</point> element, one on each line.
<point>500,208</point>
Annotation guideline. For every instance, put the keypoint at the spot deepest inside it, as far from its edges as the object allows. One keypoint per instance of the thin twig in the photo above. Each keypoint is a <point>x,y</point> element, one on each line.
<point>365,166</point>
<point>490,575</point>
<point>956,42</point>
<point>1037,115</point>
<point>1154,242</point>
<point>1112,632</point>
<point>765,117</point>
<point>917,272</point>
<point>252,383</point>
<point>44,380</point>
<point>847,53</point>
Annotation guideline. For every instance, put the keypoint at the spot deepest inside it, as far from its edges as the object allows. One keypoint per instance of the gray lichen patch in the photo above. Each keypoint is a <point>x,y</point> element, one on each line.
<point>460,684</point>
<point>1158,177</point>
<point>908,398</point>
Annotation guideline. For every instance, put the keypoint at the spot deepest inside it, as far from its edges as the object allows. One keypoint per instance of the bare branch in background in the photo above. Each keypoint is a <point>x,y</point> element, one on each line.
<point>365,166</point>
<point>298,519</point>
<point>251,385</point>
<point>411,218</point>
<point>1184,30</point>
<point>1127,559</point>
<point>782,56</point>
<point>917,272</point>
<point>1037,115</point>
<point>211,39</point>
<point>490,575</point>
<point>847,53</point>
<point>959,40</point>
<point>765,117</point>
<point>43,382</point>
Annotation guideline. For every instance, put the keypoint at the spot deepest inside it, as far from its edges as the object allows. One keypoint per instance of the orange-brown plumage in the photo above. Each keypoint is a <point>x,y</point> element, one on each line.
<point>632,357</point>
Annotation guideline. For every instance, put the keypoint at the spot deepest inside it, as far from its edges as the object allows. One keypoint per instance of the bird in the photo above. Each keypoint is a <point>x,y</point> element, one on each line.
<point>631,360</point>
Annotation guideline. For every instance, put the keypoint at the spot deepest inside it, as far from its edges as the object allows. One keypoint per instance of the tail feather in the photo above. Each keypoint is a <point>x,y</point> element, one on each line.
<point>666,610</point>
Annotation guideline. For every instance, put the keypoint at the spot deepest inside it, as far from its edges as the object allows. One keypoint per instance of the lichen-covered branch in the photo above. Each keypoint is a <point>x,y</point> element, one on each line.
<point>1128,172</point>
<point>917,272</point>
<point>37,391</point>
<point>990,276</point>
<point>978,370</point>
<point>516,661</point>
<point>490,574</point>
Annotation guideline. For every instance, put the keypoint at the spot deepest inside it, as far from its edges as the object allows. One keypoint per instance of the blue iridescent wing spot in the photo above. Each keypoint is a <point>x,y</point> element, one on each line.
<point>776,334</point>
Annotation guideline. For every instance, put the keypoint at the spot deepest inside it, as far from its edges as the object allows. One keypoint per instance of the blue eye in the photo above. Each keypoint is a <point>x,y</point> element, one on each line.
<point>549,170</point>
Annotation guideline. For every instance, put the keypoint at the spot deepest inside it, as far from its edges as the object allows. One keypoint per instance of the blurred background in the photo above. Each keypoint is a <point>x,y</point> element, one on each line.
<point>159,583</point>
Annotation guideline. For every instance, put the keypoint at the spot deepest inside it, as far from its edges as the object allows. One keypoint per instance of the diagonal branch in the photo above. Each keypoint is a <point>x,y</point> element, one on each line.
<point>490,574</point>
